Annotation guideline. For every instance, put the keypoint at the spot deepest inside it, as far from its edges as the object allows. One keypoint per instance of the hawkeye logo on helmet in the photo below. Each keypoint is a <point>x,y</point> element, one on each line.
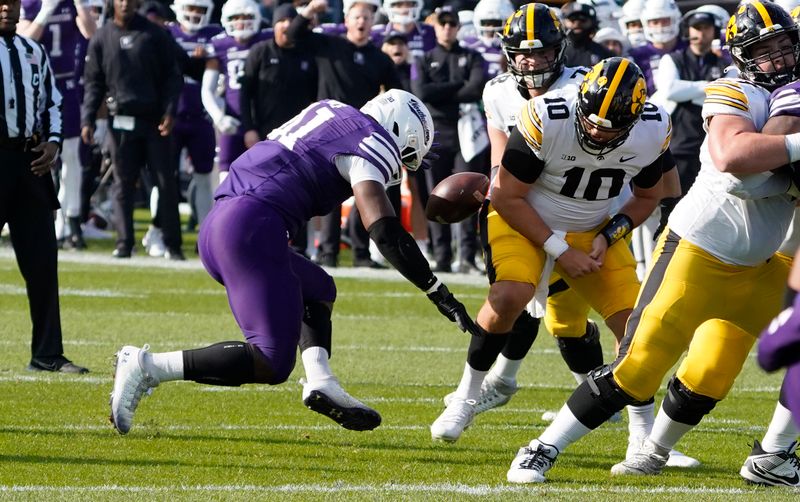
<point>415,109</point>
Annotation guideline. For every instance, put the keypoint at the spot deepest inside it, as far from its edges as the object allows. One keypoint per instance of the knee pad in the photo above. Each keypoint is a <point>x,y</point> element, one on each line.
<point>316,328</point>
<point>483,350</point>
<point>685,406</point>
<point>598,398</point>
<point>582,354</point>
<point>522,336</point>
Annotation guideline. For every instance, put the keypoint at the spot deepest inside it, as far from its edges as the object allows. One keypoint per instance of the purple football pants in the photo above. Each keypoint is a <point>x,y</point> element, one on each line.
<point>780,348</point>
<point>243,244</point>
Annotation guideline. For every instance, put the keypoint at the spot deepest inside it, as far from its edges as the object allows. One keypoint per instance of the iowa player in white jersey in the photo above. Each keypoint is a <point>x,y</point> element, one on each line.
<point>724,232</point>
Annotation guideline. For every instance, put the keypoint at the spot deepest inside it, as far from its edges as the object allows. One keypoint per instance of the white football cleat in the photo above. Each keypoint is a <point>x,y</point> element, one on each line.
<point>328,398</point>
<point>131,382</point>
<point>153,242</point>
<point>676,458</point>
<point>532,462</point>
<point>454,419</point>
<point>646,461</point>
<point>781,468</point>
<point>495,392</point>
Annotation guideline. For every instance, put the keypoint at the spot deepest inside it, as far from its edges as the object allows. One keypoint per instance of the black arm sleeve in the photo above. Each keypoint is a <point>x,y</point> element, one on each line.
<point>298,30</point>
<point>519,159</point>
<point>649,176</point>
<point>667,162</point>
<point>402,252</point>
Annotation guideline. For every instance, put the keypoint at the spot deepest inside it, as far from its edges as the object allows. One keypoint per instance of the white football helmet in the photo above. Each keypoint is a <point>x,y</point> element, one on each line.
<point>349,3</point>
<point>193,21</point>
<point>249,26</point>
<point>408,122</point>
<point>660,9</point>
<point>608,12</point>
<point>632,13</point>
<point>402,15</point>
<point>718,12</point>
<point>490,16</point>
<point>97,9</point>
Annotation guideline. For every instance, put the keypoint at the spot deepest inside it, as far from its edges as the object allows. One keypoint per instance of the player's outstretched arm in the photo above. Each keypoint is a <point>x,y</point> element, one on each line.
<point>400,249</point>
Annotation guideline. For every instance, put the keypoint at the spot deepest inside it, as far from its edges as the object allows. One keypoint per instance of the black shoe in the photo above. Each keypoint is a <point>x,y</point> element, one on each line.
<point>327,260</point>
<point>174,255</point>
<point>122,251</point>
<point>58,364</point>
<point>369,263</point>
<point>77,242</point>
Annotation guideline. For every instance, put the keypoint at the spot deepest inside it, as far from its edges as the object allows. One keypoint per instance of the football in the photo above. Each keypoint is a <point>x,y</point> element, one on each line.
<point>457,197</point>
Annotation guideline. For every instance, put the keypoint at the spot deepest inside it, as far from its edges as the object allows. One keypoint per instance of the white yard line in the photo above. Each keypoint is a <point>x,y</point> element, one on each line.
<point>398,488</point>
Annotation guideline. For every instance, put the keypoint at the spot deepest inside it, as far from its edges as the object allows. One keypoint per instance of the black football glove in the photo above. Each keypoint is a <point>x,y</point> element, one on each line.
<point>453,310</point>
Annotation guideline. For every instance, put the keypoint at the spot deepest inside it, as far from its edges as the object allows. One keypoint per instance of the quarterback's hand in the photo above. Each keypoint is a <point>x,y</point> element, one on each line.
<point>599,248</point>
<point>453,309</point>
<point>228,125</point>
<point>576,263</point>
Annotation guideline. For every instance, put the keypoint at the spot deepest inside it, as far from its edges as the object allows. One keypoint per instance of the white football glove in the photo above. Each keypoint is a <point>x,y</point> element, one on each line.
<point>47,9</point>
<point>228,125</point>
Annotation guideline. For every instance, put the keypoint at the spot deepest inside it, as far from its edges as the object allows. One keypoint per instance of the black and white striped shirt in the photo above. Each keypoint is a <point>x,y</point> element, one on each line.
<point>29,99</point>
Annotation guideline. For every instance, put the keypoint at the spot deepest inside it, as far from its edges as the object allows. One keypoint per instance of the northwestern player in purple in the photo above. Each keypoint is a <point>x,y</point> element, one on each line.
<point>242,21</point>
<point>193,129</point>
<point>60,26</point>
<point>280,299</point>
<point>489,17</point>
<point>661,21</point>
<point>404,18</point>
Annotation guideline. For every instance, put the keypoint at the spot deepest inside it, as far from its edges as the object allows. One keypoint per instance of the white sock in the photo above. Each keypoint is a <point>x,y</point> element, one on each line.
<point>667,432</point>
<point>640,420</point>
<point>505,368</point>
<point>470,385</point>
<point>166,366</point>
<point>565,430</point>
<point>315,362</point>
<point>579,377</point>
<point>782,431</point>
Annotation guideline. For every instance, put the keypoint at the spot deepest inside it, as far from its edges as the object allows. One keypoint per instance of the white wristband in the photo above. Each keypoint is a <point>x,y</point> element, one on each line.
<point>555,246</point>
<point>792,142</point>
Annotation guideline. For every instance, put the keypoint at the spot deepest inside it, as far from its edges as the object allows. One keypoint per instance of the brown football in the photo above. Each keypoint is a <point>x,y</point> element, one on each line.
<point>457,197</point>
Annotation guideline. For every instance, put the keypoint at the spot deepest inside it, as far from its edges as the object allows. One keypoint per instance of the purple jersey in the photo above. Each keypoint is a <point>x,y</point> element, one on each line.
<point>231,56</point>
<point>648,57</point>
<point>60,38</point>
<point>785,100</point>
<point>189,103</point>
<point>294,171</point>
<point>492,54</point>
<point>420,39</point>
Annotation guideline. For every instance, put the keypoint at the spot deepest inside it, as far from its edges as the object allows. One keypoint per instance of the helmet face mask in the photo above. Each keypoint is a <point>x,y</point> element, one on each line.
<point>764,44</point>
<point>661,21</point>
<point>534,31</point>
<point>402,14</point>
<point>241,18</point>
<point>610,101</point>
<point>193,15</point>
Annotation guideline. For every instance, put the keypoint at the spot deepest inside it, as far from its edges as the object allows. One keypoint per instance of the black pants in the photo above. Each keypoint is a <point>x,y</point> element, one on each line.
<point>27,203</point>
<point>132,151</point>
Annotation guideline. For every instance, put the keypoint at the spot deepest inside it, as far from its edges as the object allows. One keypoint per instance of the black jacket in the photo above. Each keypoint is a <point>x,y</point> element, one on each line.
<point>347,73</point>
<point>277,84</point>
<point>444,78</point>
<point>134,67</point>
<point>585,54</point>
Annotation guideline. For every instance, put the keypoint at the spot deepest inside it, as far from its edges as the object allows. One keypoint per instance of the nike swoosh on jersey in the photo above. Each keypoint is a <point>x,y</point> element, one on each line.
<point>623,159</point>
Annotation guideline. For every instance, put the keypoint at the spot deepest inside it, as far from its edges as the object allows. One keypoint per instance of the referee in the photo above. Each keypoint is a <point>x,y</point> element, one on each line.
<point>30,135</point>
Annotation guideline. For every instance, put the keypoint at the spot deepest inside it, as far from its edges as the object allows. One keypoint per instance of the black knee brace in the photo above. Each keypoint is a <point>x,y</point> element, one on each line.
<point>598,398</point>
<point>685,406</point>
<point>522,336</point>
<point>483,350</point>
<point>582,354</point>
<point>316,328</point>
<point>227,363</point>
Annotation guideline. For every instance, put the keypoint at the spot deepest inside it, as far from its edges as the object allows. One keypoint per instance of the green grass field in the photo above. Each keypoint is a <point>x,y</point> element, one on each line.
<point>391,349</point>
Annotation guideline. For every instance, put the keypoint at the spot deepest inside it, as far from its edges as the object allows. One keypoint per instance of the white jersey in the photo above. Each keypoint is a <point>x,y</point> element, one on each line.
<point>502,99</point>
<point>575,190</point>
<point>739,219</point>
